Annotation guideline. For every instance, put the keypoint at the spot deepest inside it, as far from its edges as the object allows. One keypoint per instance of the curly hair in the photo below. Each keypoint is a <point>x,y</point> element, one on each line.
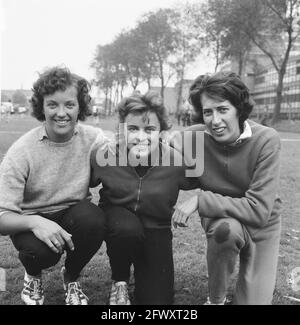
<point>59,79</point>
<point>221,86</point>
<point>140,104</point>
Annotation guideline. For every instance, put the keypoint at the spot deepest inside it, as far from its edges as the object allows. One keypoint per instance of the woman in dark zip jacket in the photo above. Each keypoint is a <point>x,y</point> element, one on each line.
<point>141,178</point>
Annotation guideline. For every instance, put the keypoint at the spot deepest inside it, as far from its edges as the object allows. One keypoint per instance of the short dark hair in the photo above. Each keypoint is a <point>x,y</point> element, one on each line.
<point>221,86</point>
<point>139,104</point>
<point>59,78</point>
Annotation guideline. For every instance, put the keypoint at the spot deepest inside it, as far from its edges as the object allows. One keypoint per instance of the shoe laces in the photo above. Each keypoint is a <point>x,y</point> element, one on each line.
<point>208,302</point>
<point>122,292</point>
<point>75,294</point>
<point>34,286</point>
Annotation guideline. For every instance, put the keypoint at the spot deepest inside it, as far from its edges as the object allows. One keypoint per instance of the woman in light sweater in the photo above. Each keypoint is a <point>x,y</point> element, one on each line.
<point>44,179</point>
<point>238,202</point>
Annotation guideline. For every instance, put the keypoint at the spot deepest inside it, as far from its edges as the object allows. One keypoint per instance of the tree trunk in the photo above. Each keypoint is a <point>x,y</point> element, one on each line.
<point>134,84</point>
<point>116,97</point>
<point>217,55</point>
<point>149,83</point>
<point>105,105</point>
<point>110,101</point>
<point>241,64</point>
<point>162,80</point>
<point>122,88</point>
<point>281,73</point>
<point>217,64</point>
<point>179,94</point>
<point>276,112</point>
<point>162,91</point>
<point>149,76</point>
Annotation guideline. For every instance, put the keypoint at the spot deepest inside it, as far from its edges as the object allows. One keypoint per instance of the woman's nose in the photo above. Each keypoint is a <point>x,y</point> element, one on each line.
<point>61,110</point>
<point>142,135</point>
<point>216,118</point>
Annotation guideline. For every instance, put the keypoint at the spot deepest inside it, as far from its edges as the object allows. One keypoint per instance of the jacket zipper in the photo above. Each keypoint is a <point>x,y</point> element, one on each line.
<point>140,186</point>
<point>138,196</point>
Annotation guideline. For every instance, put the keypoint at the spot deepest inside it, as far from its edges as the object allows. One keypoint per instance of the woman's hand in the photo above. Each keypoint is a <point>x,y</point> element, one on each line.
<point>183,211</point>
<point>51,234</point>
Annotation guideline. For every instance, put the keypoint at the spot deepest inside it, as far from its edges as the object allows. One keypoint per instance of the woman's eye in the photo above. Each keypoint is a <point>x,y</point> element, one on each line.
<point>223,109</point>
<point>132,129</point>
<point>149,130</point>
<point>206,113</point>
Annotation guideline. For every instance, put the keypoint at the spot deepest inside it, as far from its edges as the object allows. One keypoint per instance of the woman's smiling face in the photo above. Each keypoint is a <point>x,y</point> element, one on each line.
<point>142,133</point>
<point>221,119</point>
<point>61,111</point>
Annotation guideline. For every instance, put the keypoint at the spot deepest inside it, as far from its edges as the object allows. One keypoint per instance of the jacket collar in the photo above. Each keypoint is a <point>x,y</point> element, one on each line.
<point>246,134</point>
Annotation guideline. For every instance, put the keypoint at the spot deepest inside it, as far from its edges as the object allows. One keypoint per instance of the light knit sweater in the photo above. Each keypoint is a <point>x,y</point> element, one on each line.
<point>38,175</point>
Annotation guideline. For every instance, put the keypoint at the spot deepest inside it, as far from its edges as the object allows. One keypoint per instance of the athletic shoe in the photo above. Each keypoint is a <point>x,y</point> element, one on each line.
<point>208,302</point>
<point>119,294</point>
<point>32,293</point>
<point>73,292</point>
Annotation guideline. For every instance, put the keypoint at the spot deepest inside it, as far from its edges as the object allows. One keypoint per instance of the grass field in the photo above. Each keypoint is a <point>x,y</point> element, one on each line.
<point>189,243</point>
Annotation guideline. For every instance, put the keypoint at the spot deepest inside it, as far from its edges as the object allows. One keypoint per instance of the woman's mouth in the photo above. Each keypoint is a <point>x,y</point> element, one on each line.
<point>219,131</point>
<point>141,147</point>
<point>62,122</point>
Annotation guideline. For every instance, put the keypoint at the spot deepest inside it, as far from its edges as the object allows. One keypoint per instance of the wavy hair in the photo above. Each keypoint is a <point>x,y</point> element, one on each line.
<point>140,104</point>
<point>221,86</point>
<point>59,79</point>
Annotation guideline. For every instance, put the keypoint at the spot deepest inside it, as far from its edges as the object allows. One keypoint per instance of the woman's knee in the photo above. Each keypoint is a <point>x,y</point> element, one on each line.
<point>86,217</point>
<point>226,232</point>
<point>41,257</point>
<point>122,223</point>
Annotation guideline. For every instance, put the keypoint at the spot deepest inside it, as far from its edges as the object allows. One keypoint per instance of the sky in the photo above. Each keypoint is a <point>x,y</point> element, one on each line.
<point>36,34</point>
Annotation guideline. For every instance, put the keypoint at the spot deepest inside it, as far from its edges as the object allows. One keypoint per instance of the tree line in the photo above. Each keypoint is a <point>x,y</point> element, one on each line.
<point>164,42</point>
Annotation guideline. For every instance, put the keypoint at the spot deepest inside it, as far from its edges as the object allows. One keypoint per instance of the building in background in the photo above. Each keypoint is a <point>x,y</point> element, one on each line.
<point>261,77</point>
<point>264,90</point>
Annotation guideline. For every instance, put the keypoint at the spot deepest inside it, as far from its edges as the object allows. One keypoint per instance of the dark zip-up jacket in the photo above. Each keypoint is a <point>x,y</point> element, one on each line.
<point>151,197</point>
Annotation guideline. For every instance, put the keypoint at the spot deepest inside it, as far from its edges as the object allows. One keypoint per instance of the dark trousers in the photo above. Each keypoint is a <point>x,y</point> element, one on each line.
<point>149,250</point>
<point>84,221</point>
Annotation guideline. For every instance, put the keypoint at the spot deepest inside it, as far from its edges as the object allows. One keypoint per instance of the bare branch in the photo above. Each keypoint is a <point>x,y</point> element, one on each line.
<point>269,4</point>
<point>264,50</point>
<point>293,39</point>
<point>170,75</point>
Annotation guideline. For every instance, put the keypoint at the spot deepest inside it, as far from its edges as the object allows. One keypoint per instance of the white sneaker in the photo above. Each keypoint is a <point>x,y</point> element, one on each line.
<point>119,294</point>
<point>73,292</point>
<point>32,293</point>
<point>208,302</point>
